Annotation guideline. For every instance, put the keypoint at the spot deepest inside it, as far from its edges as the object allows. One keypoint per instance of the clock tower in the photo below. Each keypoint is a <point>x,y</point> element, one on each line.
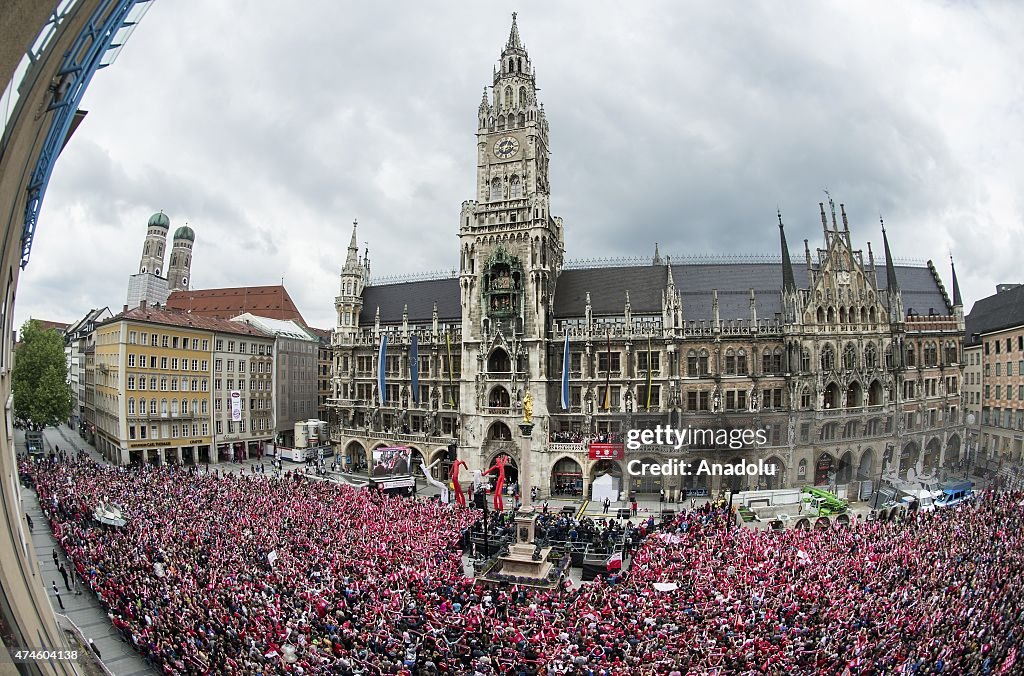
<point>511,251</point>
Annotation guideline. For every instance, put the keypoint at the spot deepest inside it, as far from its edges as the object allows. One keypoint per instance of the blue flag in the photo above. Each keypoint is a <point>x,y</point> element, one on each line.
<point>565,373</point>
<point>381,378</point>
<point>414,369</point>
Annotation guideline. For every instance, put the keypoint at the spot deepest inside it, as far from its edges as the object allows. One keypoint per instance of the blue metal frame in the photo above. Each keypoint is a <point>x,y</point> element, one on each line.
<point>80,63</point>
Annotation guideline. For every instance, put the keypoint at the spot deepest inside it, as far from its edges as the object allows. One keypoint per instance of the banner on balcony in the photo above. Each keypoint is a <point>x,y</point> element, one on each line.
<point>607,451</point>
<point>381,378</point>
<point>236,406</point>
<point>414,369</point>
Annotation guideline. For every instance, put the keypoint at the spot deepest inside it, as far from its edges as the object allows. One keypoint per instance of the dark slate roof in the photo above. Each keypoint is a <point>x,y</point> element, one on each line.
<point>608,286</point>
<point>420,296</point>
<point>995,313</point>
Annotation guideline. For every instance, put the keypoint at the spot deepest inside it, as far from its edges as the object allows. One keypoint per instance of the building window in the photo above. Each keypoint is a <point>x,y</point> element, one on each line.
<point>606,360</point>
<point>827,358</point>
<point>651,358</point>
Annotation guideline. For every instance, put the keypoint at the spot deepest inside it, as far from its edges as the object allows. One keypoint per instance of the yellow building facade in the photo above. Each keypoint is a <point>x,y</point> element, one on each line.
<point>154,392</point>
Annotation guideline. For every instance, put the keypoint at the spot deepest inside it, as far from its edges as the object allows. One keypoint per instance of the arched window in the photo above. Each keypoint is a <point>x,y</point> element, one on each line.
<point>831,316</point>
<point>911,360</point>
<point>870,356</point>
<point>850,357</point>
<point>174,407</point>
<point>515,188</point>
<point>741,362</point>
<point>805,360</point>
<point>520,120</point>
<point>522,97</point>
<point>131,407</point>
<point>501,123</point>
<point>821,315</point>
<point>499,362</point>
<point>152,406</point>
<point>828,358</point>
<point>495,188</point>
<point>163,406</point>
<point>508,97</point>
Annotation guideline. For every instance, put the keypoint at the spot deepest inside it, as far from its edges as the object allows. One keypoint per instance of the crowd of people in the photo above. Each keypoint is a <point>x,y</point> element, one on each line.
<point>577,437</point>
<point>250,575</point>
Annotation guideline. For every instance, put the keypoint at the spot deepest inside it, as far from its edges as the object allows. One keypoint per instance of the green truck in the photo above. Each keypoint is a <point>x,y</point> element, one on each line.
<point>824,502</point>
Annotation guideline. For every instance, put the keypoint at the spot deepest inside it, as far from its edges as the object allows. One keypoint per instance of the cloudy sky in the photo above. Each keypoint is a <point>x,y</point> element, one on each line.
<point>269,127</point>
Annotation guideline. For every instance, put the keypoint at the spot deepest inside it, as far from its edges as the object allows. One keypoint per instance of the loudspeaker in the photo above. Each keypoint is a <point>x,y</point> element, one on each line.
<point>480,500</point>
<point>453,452</point>
<point>624,512</point>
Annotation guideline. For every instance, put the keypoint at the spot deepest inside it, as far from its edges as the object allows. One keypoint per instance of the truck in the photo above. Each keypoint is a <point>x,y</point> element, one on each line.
<point>34,444</point>
<point>955,493</point>
<point>823,502</point>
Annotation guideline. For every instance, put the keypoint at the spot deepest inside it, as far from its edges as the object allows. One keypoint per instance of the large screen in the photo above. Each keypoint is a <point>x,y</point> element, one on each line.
<point>391,461</point>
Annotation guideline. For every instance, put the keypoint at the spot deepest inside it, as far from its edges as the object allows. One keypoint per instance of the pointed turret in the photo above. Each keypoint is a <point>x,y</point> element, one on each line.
<point>788,280</point>
<point>657,256</point>
<point>352,260</point>
<point>890,270</point>
<point>892,284</point>
<point>513,36</point>
<point>671,283</point>
<point>957,300</point>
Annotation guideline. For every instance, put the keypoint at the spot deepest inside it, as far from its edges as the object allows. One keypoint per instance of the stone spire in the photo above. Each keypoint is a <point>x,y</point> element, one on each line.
<point>513,37</point>
<point>890,270</point>
<point>352,260</point>
<point>788,281</point>
<point>657,256</point>
<point>957,300</point>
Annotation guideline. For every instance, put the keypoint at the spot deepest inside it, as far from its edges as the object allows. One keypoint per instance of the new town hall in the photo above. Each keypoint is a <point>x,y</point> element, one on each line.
<point>842,361</point>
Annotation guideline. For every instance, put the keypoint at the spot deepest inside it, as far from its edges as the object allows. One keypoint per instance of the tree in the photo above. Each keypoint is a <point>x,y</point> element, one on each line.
<point>39,380</point>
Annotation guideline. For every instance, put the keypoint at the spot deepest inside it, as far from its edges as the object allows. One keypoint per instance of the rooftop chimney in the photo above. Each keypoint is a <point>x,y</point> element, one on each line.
<point>142,304</point>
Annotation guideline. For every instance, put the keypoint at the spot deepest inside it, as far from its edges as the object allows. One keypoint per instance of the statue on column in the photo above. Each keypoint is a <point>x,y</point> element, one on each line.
<point>528,408</point>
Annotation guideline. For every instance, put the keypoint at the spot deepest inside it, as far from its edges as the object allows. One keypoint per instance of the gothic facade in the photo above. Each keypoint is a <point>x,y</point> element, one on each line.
<point>835,359</point>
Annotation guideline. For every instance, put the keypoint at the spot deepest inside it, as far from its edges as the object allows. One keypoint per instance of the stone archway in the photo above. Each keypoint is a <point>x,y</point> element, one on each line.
<point>511,467</point>
<point>567,477</point>
<point>932,452</point>
<point>952,459</point>
<point>866,467</point>
<point>608,467</point>
<point>823,469</point>
<point>777,479</point>
<point>831,397</point>
<point>499,431</point>
<point>844,473</point>
<point>355,457</point>
<point>908,457</point>
<point>443,469</point>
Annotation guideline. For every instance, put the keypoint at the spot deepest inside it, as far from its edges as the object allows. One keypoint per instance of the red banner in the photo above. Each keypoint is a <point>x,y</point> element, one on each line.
<point>607,451</point>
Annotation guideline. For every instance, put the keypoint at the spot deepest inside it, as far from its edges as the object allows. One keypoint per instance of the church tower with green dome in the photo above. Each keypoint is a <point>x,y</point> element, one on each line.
<point>153,249</point>
<point>150,283</point>
<point>181,259</point>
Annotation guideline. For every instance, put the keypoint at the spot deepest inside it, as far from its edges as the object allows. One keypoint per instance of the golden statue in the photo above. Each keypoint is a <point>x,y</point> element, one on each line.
<point>528,408</point>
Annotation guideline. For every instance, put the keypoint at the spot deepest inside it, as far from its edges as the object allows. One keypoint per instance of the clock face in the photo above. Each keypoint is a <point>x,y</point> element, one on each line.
<point>506,147</point>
